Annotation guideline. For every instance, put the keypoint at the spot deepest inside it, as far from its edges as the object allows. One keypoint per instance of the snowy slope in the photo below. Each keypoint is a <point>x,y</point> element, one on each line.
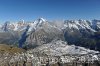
<point>58,48</point>
<point>79,24</point>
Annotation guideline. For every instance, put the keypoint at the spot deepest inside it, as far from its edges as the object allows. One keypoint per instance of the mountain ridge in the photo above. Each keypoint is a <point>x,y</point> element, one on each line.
<point>78,32</point>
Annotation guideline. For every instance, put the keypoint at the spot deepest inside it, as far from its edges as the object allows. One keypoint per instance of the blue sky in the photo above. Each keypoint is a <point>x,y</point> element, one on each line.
<point>14,10</point>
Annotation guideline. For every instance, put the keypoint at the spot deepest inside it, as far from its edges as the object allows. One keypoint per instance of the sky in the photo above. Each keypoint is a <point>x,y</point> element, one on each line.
<point>14,10</point>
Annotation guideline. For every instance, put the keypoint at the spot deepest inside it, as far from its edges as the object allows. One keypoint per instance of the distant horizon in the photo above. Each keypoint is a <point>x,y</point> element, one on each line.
<point>29,10</point>
<point>43,18</point>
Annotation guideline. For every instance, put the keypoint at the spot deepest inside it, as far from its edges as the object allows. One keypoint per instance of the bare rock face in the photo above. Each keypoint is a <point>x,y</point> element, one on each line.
<point>9,37</point>
<point>41,36</point>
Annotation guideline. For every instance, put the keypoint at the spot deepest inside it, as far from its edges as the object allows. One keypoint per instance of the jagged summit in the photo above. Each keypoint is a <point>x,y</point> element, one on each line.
<point>42,19</point>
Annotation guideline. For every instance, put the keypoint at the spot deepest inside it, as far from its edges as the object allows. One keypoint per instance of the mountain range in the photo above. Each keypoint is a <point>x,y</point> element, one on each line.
<point>85,33</point>
<point>41,40</point>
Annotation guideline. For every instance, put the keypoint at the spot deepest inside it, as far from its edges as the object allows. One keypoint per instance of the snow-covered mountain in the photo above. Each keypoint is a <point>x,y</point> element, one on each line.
<point>21,25</point>
<point>79,24</point>
<point>42,31</point>
<point>91,25</point>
